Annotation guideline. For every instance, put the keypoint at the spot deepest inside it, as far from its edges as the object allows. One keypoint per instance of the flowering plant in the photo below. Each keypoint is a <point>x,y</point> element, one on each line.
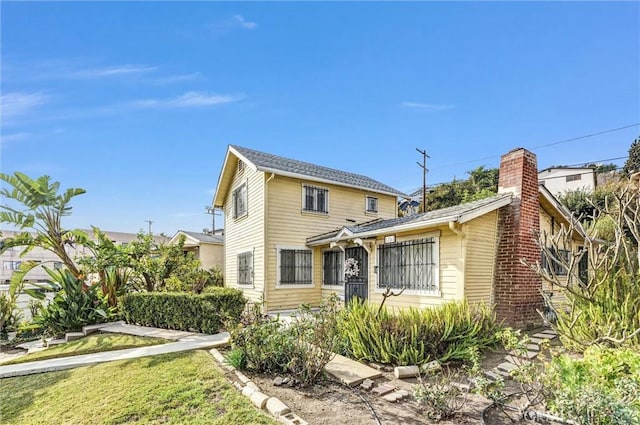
<point>351,268</point>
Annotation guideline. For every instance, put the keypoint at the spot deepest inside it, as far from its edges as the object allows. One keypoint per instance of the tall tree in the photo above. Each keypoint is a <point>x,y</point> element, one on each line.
<point>633,161</point>
<point>37,210</point>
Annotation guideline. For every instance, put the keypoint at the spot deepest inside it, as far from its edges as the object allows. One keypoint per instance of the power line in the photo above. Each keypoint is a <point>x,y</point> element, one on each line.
<point>598,160</point>
<point>611,130</point>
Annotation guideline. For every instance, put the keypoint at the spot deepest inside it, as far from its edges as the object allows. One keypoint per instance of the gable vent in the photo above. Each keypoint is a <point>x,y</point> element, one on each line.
<point>240,166</point>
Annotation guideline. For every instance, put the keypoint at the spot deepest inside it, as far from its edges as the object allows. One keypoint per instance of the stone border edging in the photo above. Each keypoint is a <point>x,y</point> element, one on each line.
<point>249,389</point>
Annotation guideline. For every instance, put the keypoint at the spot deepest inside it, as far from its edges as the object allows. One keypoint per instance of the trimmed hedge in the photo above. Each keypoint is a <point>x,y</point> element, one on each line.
<point>204,313</point>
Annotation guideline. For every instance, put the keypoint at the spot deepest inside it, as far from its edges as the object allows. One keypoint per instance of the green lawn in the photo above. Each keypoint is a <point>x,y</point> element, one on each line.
<point>177,388</point>
<point>87,345</point>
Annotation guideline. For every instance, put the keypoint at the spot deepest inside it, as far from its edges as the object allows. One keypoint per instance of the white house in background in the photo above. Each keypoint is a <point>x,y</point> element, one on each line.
<point>11,259</point>
<point>559,180</point>
<point>207,248</point>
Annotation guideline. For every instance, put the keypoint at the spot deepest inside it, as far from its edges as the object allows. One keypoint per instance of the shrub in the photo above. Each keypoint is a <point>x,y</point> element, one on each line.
<point>439,394</point>
<point>301,348</point>
<point>184,311</point>
<point>74,306</point>
<point>600,388</point>
<point>416,336</point>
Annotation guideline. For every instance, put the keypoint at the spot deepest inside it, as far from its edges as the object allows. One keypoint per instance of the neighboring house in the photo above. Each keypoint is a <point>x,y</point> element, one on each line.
<point>207,248</point>
<point>11,258</point>
<point>286,246</point>
<point>560,180</point>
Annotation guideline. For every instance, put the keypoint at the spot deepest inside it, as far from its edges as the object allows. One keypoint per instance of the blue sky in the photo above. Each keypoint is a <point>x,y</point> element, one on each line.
<point>136,102</point>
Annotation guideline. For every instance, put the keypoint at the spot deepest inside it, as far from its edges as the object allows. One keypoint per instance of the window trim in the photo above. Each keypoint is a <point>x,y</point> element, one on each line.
<point>339,286</point>
<point>279,285</point>
<point>251,269</point>
<point>437,293</point>
<point>366,204</point>
<point>237,216</point>
<point>326,201</point>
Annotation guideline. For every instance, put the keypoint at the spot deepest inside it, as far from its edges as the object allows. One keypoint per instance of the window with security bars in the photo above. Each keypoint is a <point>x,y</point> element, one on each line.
<point>372,204</point>
<point>315,199</point>
<point>333,268</point>
<point>411,265</point>
<point>240,201</point>
<point>245,268</point>
<point>295,267</point>
<point>553,262</point>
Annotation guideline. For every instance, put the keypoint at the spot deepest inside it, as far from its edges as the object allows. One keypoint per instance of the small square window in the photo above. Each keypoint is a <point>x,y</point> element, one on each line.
<point>372,204</point>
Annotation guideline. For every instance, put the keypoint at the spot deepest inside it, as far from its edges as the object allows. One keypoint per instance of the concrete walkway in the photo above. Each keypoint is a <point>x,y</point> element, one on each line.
<point>185,341</point>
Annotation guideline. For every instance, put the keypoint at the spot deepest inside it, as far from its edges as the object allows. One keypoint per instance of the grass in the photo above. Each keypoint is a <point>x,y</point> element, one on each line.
<point>88,345</point>
<point>177,388</point>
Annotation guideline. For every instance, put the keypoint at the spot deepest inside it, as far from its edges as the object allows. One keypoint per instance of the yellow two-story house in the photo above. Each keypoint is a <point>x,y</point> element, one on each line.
<point>272,205</point>
<point>296,232</point>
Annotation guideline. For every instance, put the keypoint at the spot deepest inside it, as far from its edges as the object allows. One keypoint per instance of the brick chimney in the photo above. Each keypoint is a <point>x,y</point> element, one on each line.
<point>517,288</point>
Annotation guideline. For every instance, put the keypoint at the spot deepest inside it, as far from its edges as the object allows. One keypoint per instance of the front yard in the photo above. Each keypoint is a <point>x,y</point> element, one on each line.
<point>172,388</point>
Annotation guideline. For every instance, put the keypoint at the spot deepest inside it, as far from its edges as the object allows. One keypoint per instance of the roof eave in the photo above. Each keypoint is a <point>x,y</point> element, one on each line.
<point>219,195</point>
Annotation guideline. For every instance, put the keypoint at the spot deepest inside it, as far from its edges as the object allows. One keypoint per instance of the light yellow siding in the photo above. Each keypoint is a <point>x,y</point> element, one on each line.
<point>289,226</point>
<point>245,233</point>
<point>481,244</point>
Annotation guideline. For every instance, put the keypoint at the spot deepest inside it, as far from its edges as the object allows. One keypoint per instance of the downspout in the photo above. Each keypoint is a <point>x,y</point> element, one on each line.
<point>454,228</point>
<point>264,243</point>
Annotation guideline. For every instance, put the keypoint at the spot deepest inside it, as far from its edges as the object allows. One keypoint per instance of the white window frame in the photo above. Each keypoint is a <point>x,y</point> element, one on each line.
<point>12,265</point>
<point>251,275</point>
<point>304,199</point>
<point>340,285</point>
<point>437,293</point>
<point>237,216</point>
<point>366,204</point>
<point>279,285</point>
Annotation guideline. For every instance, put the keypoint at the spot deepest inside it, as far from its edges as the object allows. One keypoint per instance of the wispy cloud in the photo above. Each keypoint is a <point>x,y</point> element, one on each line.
<point>17,104</point>
<point>112,71</point>
<point>230,24</point>
<point>427,106</point>
<point>7,139</point>
<point>169,79</point>
<point>238,20</point>
<point>188,100</point>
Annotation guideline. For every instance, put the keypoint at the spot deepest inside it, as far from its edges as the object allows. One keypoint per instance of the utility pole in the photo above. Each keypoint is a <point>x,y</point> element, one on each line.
<point>424,177</point>
<point>150,223</point>
<point>212,211</point>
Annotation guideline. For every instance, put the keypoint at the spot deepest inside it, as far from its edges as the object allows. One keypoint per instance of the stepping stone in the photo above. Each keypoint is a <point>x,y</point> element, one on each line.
<point>550,332</point>
<point>492,375</point>
<point>537,340</point>
<point>528,355</point>
<point>533,347</point>
<point>350,372</point>
<point>367,384</point>
<point>543,336</point>
<point>383,389</point>
<point>518,361</point>
<point>507,367</point>
<point>396,396</point>
<point>72,336</point>
<point>502,373</point>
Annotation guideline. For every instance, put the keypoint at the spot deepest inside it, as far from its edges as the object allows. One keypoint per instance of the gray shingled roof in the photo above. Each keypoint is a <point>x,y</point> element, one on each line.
<point>274,163</point>
<point>430,216</point>
<point>204,238</point>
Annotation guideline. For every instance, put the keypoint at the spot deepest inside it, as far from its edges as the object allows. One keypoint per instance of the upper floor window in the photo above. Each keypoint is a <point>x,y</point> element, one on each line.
<point>371,204</point>
<point>315,199</point>
<point>245,268</point>
<point>574,177</point>
<point>295,267</point>
<point>240,201</point>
